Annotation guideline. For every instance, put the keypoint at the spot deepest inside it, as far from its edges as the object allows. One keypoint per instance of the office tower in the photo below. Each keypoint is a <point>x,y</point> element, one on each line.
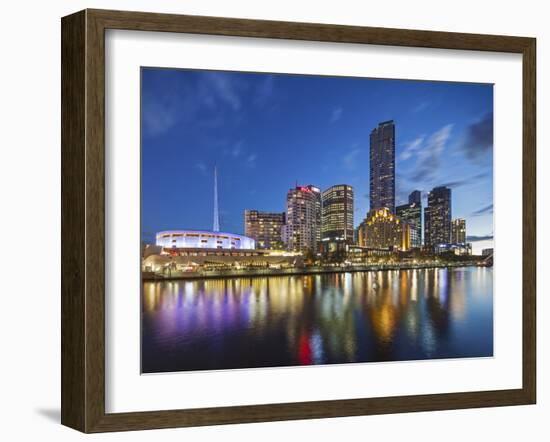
<point>412,215</point>
<point>337,214</point>
<point>383,230</point>
<point>415,197</point>
<point>265,228</point>
<point>303,221</point>
<point>458,231</point>
<point>382,166</point>
<point>437,217</point>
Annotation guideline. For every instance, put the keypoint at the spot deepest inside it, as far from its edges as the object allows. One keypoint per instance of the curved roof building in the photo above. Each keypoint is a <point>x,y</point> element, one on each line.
<point>203,239</point>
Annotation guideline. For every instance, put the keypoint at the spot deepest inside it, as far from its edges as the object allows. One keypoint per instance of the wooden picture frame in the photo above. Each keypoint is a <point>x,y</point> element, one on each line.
<point>83,220</point>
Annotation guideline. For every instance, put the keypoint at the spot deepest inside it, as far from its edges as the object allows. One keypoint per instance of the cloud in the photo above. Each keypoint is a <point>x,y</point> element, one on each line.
<point>190,98</point>
<point>466,181</point>
<point>428,154</point>
<point>350,159</point>
<point>478,139</point>
<point>225,89</point>
<point>486,210</point>
<point>158,118</point>
<point>475,238</point>
<point>264,91</point>
<point>411,147</point>
<point>201,167</point>
<point>336,114</point>
<point>237,149</point>
<point>421,106</point>
<point>251,160</point>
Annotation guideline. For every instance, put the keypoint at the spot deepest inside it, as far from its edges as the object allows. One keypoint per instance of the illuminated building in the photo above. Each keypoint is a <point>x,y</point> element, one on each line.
<point>412,214</point>
<point>337,214</point>
<point>458,249</point>
<point>204,239</point>
<point>179,262</point>
<point>458,231</point>
<point>382,166</point>
<point>383,230</point>
<point>361,234</point>
<point>358,254</point>
<point>302,231</point>
<point>265,228</point>
<point>437,217</point>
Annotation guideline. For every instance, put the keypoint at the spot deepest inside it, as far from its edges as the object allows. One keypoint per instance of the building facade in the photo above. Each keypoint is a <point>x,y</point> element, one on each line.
<point>203,239</point>
<point>458,231</point>
<point>383,230</point>
<point>337,214</point>
<point>265,228</point>
<point>382,166</point>
<point>302,232</point>
<point>411,214</point>
<point>185,261</point>
<point>437,217</point>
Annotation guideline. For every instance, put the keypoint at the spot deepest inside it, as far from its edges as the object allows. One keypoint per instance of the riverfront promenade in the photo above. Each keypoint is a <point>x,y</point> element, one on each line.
<point>308,270</point>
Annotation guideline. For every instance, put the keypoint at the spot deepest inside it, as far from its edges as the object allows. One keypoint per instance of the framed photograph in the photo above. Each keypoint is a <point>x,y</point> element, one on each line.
<point>270,220</point>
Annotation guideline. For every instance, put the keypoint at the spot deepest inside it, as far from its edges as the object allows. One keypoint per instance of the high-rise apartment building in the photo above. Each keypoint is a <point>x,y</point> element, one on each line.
<point>411,214</point>
<point>458,231</point>
<point>302,232</point>
<point>382,166</point>
<point>337,214</point>
<point>437,217</point>
<point>265,228</point>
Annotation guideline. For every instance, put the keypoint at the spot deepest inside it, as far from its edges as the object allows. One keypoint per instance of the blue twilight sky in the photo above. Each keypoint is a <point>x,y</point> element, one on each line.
<point>267,131</point>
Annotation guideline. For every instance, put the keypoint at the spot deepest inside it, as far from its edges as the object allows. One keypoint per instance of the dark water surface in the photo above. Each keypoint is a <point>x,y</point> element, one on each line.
<point>317,319</point>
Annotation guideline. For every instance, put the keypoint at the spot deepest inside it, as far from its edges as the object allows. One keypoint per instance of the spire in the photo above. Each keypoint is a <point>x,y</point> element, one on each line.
<point>216,227</point>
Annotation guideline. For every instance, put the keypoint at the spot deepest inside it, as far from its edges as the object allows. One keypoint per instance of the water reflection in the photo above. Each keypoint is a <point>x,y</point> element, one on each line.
<point>317,319</point>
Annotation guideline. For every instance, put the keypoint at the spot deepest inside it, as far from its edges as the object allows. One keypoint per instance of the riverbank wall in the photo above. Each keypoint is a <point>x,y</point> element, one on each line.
<point>313,270</point>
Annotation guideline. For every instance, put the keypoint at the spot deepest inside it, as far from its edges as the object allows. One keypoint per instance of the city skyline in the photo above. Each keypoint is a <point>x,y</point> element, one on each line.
<point>250,180</point>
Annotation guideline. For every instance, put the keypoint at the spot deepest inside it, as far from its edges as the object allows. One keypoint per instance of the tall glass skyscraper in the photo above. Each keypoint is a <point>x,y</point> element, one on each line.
<point>337,214</point>
<point>412,215</point>
<point>437,217</point>
<point>382,166</point>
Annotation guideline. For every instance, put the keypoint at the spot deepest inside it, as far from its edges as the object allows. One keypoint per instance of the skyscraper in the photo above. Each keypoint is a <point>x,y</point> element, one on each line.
<point>458,231</point>
<point>412,215</point>
<point>415,197</point>
<point>437,217</point>
<point>337,214</point>
<point>303,222</point>
<point>265,228</point>
<point>382,166</point>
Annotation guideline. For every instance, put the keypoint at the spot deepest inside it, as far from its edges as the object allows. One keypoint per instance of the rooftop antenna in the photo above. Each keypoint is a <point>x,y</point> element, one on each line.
<point>216,227</point>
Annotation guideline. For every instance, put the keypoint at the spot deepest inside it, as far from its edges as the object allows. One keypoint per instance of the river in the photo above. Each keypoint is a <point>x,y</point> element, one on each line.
<point>317,319</point>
